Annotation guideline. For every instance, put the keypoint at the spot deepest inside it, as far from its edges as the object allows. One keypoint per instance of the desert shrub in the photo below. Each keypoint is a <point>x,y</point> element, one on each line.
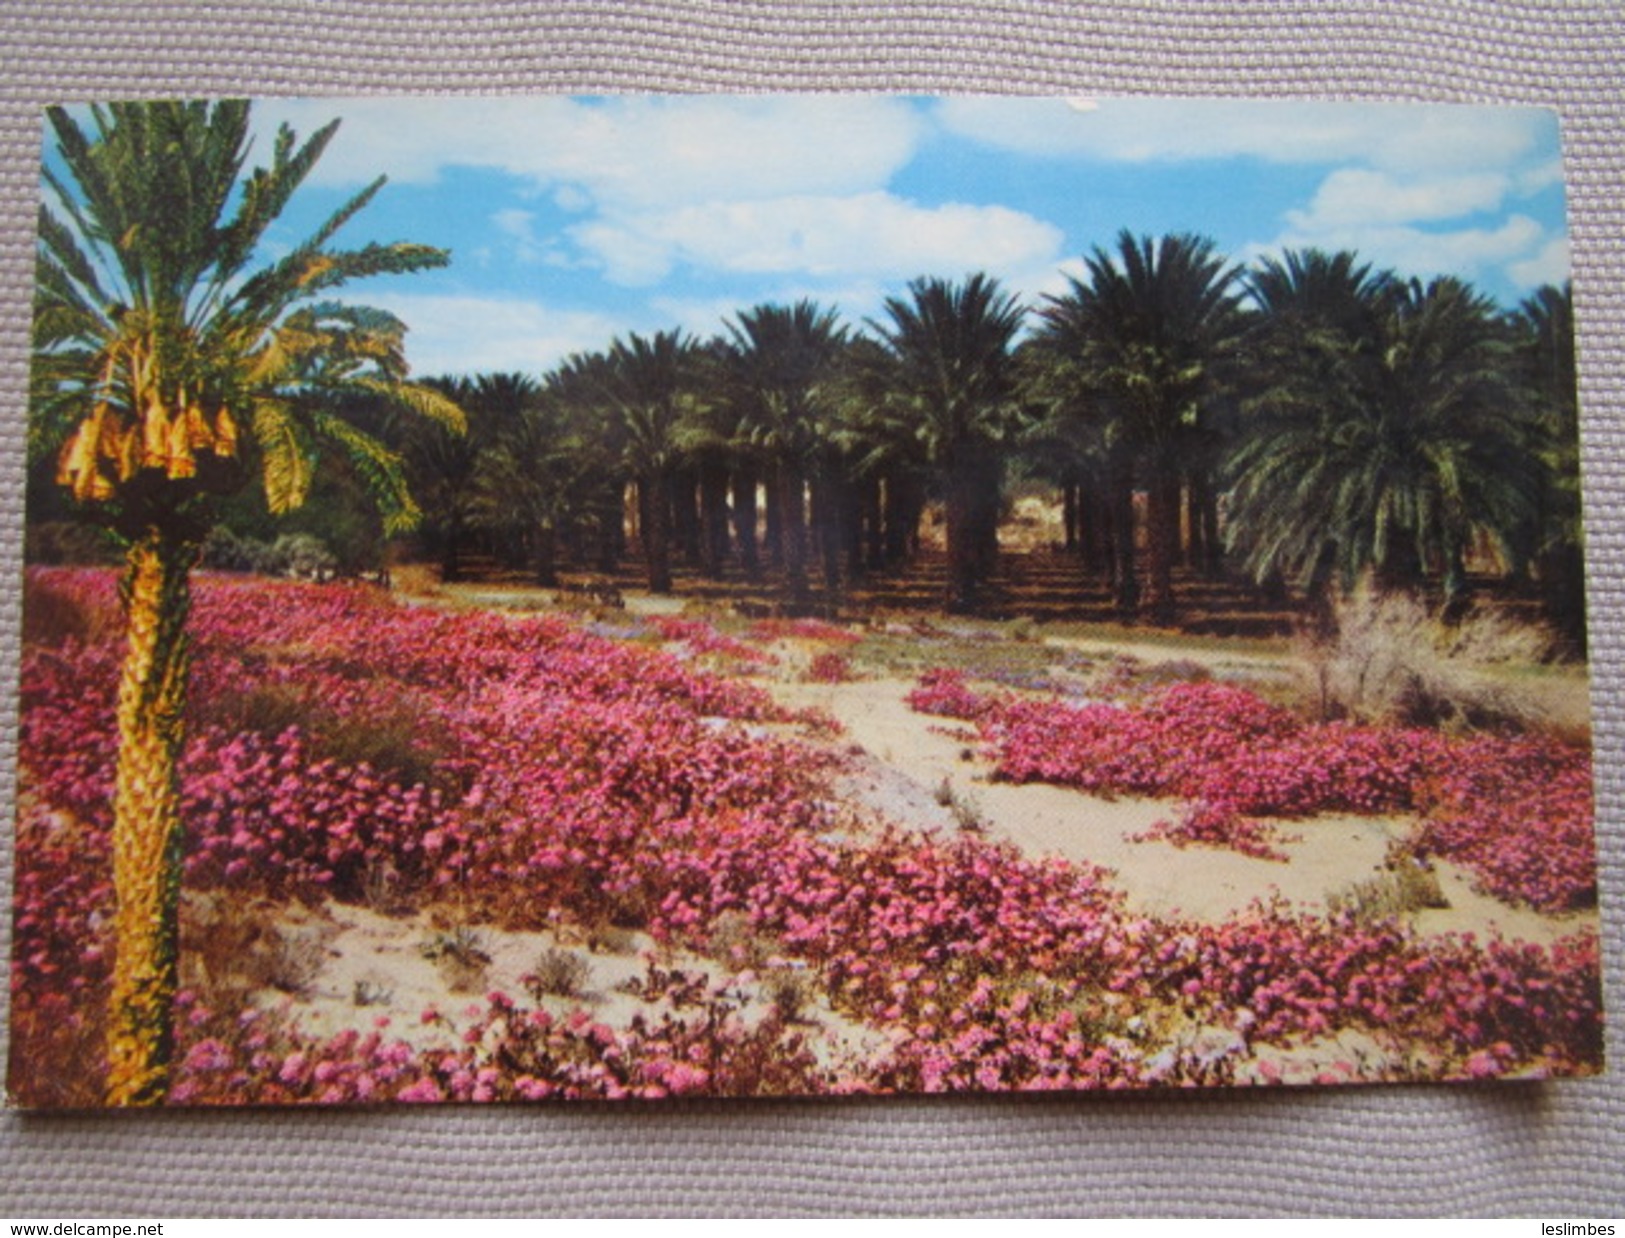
<point>830,668</point>
<point>788,991</point>
<point>1407,885</point>
<point>1391,660</point>
<point>381,730</point>
<point>737,942</point>
<point>69,542</point>
<point>610,939</point>
<point>963,806</point>
<point>305,557</point>
<point>233,948</point>
<point>1176,670</point>
<point>57,610</point>
<point>301,555</point>
<point>460,956</point>
<point>225,551</point>
<point>383,889</point>
<point>370,991</point>
<point>557,973</point>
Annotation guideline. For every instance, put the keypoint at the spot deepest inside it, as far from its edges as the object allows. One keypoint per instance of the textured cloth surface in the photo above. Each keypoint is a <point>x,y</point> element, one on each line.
<point>1550,1150</point>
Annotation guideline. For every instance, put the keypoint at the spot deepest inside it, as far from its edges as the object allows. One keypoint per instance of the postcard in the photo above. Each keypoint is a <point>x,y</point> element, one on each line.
<point>641,597</point>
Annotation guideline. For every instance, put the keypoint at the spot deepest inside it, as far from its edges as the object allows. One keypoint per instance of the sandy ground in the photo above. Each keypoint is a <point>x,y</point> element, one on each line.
<point>374,967</point>
<point>907,757</point>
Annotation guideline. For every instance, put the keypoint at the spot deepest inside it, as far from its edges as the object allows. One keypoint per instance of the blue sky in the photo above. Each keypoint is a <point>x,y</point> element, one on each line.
<point>571,221</point>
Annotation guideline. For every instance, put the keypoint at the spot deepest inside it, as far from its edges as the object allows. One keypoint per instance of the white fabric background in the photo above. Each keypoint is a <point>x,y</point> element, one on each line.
<point>1552,1150</point>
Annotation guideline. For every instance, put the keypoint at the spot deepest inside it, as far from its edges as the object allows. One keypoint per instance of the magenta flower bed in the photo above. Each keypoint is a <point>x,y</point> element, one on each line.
<point>1516,811</point>
<point>542,775</point>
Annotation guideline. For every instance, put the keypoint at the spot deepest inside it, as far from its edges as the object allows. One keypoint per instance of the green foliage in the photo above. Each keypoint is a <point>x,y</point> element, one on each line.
<point>168,369</point>
<point>950,384</point>
<point>1390,431</point>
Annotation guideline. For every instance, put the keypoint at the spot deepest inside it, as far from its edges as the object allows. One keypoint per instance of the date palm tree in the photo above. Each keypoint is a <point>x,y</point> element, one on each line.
<point>1312,350</point>
<point>171,366</point>
<point>781,378</point>
<point>1154,327</point>
<point>647,386</point>
<point>1397,458</point>
<point>953,388</point>
<point>537,476</point>
<point>443,466</point>
<point>1544,326</point>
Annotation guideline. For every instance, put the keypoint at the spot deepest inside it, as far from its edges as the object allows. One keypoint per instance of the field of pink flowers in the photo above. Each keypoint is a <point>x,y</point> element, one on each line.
<point>1517,811</point>
<point>529,773</point>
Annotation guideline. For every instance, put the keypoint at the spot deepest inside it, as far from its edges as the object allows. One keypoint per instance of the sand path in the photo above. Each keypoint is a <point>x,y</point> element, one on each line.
<point>907,756</point>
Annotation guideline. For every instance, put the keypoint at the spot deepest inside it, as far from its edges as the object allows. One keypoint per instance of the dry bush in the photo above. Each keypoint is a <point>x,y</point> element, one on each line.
<point>611,939</point>
<point>964,807</point>
<point>459,954</point>
<point>557,973</point>
<point>54,614</point>
<point>1392,661</point>
<point>788,991</point>
<point>371,991</point>
<point>65,542</point>
<point>385,890</point>
<point>391,736</point>
<point>738,943</point>
<point>234,947</point>
<point>1405,886</point>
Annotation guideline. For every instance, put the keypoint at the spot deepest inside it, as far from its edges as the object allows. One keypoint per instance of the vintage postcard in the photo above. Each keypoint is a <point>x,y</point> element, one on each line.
<point>646,597</point>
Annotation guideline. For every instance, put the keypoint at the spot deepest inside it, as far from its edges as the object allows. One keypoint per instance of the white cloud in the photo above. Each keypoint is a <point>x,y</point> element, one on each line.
<point>1541,176</point>
<point>628,151</point>
<point>1358,196</point>
<point>854,301</point>
<point>1398,137</point>
<point>1466,252</point>
<point>515,222</point>
<point>1548,265</point>
<point>870,234</point>
<point>450,334</point>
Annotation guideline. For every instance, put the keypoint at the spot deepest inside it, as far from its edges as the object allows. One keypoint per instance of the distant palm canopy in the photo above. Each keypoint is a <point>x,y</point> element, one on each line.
<point>1288,426</point>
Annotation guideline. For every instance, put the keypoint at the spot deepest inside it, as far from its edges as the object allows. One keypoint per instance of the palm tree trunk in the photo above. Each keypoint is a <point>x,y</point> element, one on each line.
<point>793,531</point>
<point>828,523</point>
<point>1195,556</point>
<point>451,553</point>
<point>546,554</point>
<point>654,494</point>
<point>1093,523</point>
<point>899,518</point>
<point>147,836</point>
<point>874,524</point>
<point>714,516</point>
<point>1125,579</point>
<point>744,498</point>
<point>612,517</point>
<point>683,490</point>
<point>967,554</point>
<point>989,503</point>
<point>1213,564</point>
<point>1162,519</point>
<point>774,515</point>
